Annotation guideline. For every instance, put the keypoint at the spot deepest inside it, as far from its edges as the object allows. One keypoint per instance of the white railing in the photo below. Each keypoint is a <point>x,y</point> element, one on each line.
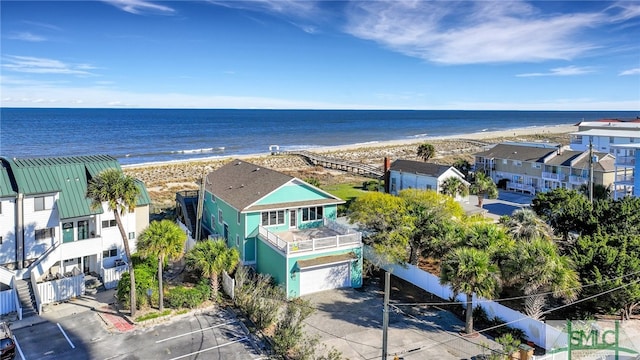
<point>521,187</point>
<point>228,285</point>
<point>626,161</point>
<point>552,176</point>
<point>110,277</point>
<point>575,179</point>
<point>60,290</point>
<point>9,300</point>
<point>351,238</point>
<point>626,178</point>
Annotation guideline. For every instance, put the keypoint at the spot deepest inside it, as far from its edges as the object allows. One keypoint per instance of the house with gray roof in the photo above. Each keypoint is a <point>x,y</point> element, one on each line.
<point>48,230</point>
<point>540,167</point>
<point>282,226</point>
<point>410,174</point>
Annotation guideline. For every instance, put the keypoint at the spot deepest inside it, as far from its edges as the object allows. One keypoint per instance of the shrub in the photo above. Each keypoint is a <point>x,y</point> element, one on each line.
<point>288,332</point>
<point>144,281</point>
<point>182,296</point>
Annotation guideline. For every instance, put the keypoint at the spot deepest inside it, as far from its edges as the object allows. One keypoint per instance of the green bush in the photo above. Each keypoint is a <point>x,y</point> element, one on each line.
<point>181,296</point>
<point>144,281</point>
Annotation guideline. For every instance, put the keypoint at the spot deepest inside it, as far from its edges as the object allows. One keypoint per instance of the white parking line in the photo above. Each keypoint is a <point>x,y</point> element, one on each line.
<point>201,330</point>
<point>211,348</point>
<point>15,340</point>
<point>65,336</point>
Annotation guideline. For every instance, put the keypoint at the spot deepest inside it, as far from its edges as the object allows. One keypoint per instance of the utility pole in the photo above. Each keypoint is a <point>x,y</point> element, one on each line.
<point>385,314</point>
<point>590,170</point>
<point>199,208</point>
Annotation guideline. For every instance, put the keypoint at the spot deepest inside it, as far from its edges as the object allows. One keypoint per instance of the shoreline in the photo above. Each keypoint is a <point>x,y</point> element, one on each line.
<point>480,135</point>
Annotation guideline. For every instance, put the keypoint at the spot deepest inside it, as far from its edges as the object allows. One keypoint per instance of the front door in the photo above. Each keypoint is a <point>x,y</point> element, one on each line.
<point>85,264</point>
<point>293,219</point>
<point>67,232</point>
<point>83,230</point>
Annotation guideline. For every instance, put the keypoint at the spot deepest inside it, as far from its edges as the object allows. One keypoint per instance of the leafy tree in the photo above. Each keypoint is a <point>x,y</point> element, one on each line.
<point>313,181</point>
<point>607,261</point>
<point>489,237</point>
<point>211,257</point>
<point>426,151</point>
<point>600,192</point>
<point>483,186</point>
<point>432,216</point>
<point>525,224</point>
<point>566,211</point>
<point>453,187</point>
<point>464,167</point>
<point>120,194</point>
<point>163,240</point>
<point>469,270</point>
<point>386,223</point>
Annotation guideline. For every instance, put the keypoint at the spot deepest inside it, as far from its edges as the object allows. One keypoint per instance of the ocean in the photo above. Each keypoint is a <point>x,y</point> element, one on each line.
<point>136,136</point>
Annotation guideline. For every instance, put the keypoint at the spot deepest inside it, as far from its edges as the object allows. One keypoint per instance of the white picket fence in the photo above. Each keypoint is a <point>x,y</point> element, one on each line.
<point>228,285</point>
<point>61,289</point>
<point>9,301</point>
<point>535,331</point>
<point>111,276</point>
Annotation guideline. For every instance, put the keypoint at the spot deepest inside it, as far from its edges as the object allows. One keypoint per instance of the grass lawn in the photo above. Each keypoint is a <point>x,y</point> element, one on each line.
<point>347,192</point>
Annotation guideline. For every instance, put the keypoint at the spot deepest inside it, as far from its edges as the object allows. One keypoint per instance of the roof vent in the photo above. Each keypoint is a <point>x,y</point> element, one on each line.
<point>230,186</point>
<point>238,163</point>
<point>257,169</point>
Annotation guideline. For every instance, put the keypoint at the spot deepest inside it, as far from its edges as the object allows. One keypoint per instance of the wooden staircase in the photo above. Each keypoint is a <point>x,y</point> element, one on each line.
<point>27,299</point>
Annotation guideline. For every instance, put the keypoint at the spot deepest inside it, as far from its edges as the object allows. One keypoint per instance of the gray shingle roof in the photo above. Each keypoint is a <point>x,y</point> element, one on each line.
<point>240,184</point>
<point>517,152</point>
<point>417,167</point>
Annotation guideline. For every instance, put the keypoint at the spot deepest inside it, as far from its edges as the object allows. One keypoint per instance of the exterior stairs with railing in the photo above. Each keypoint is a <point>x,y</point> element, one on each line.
<point>27,299</point>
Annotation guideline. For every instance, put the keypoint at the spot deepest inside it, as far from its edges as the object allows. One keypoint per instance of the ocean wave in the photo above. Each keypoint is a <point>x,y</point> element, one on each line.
<point>199,151</point>
<point>418,135</point>
<point>211,150</point>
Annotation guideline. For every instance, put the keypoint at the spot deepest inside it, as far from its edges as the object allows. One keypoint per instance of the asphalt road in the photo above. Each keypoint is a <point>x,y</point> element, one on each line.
<point>210,335</point>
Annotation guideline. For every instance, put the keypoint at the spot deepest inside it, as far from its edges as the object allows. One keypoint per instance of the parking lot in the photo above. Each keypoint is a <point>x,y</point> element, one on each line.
<point>351,321</point>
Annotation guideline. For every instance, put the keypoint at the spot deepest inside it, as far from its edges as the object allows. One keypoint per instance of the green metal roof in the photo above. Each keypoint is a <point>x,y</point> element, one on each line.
<point>67,176</point>
<point>6,189</point>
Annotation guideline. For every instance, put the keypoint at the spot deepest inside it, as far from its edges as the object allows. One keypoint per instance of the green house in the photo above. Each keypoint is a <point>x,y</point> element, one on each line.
<point>282,226</point>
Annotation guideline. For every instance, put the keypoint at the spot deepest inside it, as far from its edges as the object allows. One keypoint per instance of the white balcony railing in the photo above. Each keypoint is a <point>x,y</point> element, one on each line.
<point>347,237</point>
<point>629,161</point>
<point>578,180</point>
<point>552,176</point>
<point>625,179</point>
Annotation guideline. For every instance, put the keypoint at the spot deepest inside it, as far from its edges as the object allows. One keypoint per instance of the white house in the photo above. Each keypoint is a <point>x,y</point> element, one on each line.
<point>409,174</point>
<point>601,135</point>
<point>48,230</point>
<point>627,181</point>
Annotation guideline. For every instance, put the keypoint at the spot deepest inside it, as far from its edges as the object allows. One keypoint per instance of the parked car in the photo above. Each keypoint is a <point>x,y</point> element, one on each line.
<point>7,345</point>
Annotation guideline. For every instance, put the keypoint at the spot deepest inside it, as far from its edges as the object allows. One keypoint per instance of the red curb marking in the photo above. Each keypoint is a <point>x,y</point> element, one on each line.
<point>118,322</point>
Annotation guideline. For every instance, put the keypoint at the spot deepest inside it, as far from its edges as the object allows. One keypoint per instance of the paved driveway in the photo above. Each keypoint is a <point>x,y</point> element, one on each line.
<point>351,321</point>
<point>506,203</point>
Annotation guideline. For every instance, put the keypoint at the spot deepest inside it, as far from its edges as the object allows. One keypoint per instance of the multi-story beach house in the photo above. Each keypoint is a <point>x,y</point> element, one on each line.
<point>410,174</point>
<point>282,226</point>
<point>50,235</point>
<point>540,167</point>
<point>627,182</point>
<point>603,134</point>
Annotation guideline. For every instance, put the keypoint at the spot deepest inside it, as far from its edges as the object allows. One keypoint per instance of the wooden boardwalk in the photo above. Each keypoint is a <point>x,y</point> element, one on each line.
<point>365,170</point>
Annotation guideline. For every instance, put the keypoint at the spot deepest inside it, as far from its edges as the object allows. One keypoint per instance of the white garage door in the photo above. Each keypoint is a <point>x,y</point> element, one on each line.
<point>326,277</point>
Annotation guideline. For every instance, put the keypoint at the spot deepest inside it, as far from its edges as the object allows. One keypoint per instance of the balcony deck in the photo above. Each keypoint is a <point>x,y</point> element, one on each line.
<point>331,235</point>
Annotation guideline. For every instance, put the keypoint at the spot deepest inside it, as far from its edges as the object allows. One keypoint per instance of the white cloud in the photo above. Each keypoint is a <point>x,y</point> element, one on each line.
<point>26,36</point>
<point>139,7</point>
<point>467,32</point>
<point>635,71</point>
<point>34,65</point>
<point>562,71</point>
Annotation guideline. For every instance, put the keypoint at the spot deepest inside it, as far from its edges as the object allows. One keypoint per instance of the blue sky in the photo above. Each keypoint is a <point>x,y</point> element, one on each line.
<point>541,55</point>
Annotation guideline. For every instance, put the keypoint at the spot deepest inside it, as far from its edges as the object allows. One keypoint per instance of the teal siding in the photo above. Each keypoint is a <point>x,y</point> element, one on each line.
<point>272,262</point>
<point>294,283</point>
<point>230,217</point>
<point>250,249</point>
<point>292,192</point>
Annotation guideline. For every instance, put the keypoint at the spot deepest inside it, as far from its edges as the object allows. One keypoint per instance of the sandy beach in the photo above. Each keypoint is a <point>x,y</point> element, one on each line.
<point>163,180</point>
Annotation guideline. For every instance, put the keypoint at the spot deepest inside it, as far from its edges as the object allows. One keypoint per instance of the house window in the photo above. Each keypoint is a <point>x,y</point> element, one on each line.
<point>110,253</point>
<point>504,161</point>
<point>632,140</point>
<point>213,198</point>
<point>429,187</point>
<point>42,234</point>
<point>220,219</point>
<point>239,217</point>
<point>312,213</point>
<point>517,162</point>
<point>272,217</point>
<point>213,221</point>
<point>108,223</point>
<point>43,203</point>
<point>535,165</point>
<point>612,139</point>
<point>237,239</point>
<point>132,235</point>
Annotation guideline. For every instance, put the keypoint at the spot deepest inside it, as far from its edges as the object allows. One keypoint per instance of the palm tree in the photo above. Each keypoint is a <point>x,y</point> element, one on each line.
<point>483,186</point>
<point>120,193</point>
<point>525,224</point>
<point>453,187</point>
<point>163,240</point>
<point>469,271</point>
<point>211,257</point>
<point>426,151</point>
